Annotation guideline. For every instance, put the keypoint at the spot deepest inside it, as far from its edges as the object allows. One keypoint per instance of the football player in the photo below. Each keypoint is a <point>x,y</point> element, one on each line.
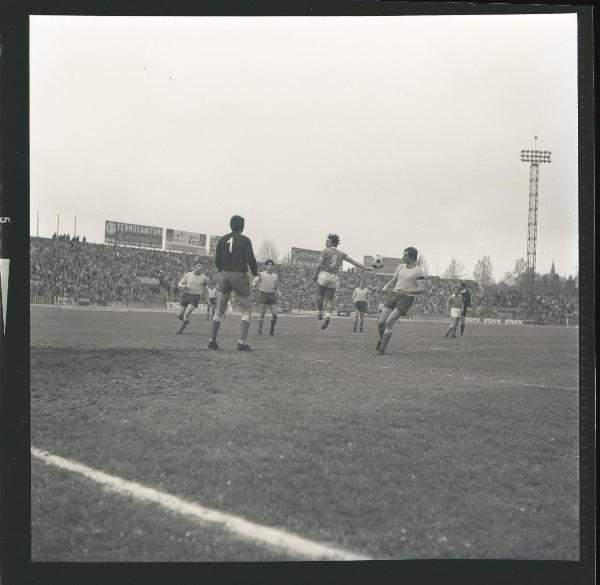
<point>193,285</point>
<point>233,257</point>
<point>267,295</point>
<point>407,282</point>
<point>326,275</point>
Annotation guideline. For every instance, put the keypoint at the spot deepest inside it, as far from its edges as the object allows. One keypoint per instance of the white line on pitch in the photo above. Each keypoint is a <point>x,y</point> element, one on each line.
<point>278,539</point>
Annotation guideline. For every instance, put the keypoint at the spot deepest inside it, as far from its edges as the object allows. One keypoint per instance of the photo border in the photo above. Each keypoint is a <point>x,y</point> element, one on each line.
<point>15,425</point>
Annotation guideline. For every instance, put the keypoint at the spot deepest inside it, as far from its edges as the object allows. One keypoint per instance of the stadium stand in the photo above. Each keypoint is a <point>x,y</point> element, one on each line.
<point>73,271</point>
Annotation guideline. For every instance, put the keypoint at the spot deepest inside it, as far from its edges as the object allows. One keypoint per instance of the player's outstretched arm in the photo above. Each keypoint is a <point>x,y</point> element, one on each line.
<point>357,264</point>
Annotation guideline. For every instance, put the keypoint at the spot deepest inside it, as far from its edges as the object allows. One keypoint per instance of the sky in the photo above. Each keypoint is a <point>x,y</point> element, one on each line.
<point>389,131</point>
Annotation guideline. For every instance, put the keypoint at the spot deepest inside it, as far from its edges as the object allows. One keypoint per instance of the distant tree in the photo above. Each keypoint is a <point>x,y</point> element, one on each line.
<point>268,250</point>
<point>286,259</point>
<point>484,272</point>
<point>454,270</point>
<point>517,276</point>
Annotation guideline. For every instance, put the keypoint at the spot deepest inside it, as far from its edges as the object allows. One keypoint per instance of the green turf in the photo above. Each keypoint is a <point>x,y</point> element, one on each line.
<point>461,448</point>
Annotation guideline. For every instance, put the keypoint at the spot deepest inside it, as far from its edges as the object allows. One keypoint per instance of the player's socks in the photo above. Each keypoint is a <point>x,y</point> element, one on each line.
<point>462,329</point>
<point>386,339</point>
<point>261,321</point>
<point>381,330</point>
<point>244,328</point>
<point>355,324</point>
<point>326,323</point>
<point>212,344</point>
<point>361,326</point>
<point>273,321</point>
<point>183,325</point>
<point>215,329</point>
<point>378,344</point>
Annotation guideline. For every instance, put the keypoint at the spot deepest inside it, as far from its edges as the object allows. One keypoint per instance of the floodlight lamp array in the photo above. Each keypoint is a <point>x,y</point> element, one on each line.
<point>536,156</point>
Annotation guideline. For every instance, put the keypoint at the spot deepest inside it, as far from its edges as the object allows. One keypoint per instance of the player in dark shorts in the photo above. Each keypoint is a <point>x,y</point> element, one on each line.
<point>407,282</point>
<point>360,296</point>
<point>193,285</point>
<point>267,295</point>
<point>233,256</point>
<point>465,293</point>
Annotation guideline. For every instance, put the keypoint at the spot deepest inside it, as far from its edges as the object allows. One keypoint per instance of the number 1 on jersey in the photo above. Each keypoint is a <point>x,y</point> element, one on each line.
<point>230,240</point>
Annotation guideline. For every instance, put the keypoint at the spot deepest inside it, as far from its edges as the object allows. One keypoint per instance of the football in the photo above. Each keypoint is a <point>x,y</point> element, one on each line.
<point>377,262</point>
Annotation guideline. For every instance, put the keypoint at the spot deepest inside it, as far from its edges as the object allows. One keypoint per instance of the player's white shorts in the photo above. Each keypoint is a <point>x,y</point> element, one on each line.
<point>328,280</point>
<point>455,313</point>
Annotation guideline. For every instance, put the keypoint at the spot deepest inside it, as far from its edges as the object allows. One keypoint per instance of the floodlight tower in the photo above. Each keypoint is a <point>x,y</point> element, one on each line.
<point>535,157</point>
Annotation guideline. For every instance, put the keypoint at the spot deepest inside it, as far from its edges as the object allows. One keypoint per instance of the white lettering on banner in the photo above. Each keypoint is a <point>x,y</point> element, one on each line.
<point>513,322</point>
<point>472,320</point>
<point>493,321</point>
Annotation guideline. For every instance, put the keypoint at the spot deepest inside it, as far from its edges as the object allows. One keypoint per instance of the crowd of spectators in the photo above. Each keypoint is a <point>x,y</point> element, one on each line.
<point>99,273</point>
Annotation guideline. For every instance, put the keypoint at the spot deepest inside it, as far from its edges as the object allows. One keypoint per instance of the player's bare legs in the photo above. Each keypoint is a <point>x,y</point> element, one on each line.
<point>329,294</point>
<point>222,300</point>
<point>273,318</point>
<point>183,313</point>
<point>359,314</point>
<point>452,329</point>
<point>383,315</point>
<point>462,324</point>
<point>389,323</point>
<point>262,309</point>
<point>320,301</point>
<point>244,323</point>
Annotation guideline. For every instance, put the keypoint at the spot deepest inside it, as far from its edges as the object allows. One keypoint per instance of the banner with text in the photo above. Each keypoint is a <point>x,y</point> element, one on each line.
<point>181,241</point>
<point>304,257</point>
<point>389,264</point>
<point>214,240</point>
<point>131,234</point>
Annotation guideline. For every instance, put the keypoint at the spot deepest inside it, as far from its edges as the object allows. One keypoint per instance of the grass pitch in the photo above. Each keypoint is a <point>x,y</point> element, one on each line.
<point>464,448</point>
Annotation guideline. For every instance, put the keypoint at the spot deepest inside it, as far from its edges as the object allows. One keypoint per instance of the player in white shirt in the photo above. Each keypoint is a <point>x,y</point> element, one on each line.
<point>408,281</point>
<point>211,305</point>
<point>267,295</point>
<point>360,296</point>
<point>193,285</point>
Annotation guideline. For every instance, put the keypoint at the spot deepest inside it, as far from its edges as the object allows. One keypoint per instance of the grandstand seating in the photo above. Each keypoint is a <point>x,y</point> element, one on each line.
<point>100,274</point>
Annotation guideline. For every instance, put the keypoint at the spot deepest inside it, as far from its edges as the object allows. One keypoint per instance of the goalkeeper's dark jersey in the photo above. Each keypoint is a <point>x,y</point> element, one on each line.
<point>465,293</point>
<point>234,254</point>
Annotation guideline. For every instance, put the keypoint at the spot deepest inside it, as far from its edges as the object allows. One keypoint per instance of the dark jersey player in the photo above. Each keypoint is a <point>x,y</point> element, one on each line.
<point>233,257</point>
<point>465,293</point>
<point>327,277</point>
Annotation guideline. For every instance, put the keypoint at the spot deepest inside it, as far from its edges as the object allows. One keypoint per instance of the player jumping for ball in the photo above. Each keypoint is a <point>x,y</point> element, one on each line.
<point>326,275</point>
<point>408,281</point>
<point>267,295</point>
<point>360,296</point>
<point>193,284</point>
<point>233,256</point>
<point>455,309</point>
